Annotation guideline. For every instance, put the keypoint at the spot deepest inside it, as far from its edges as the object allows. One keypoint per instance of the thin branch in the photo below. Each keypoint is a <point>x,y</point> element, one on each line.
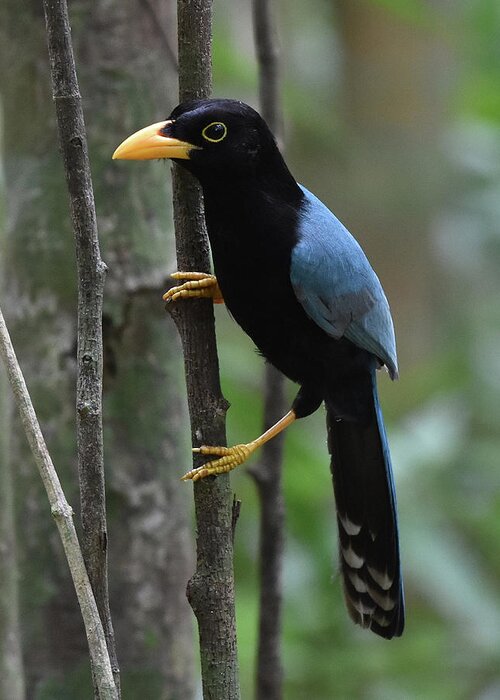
<point>211,589</point>
<point>160,29</point>
<point>62,513</point>
<point>268,478</point>
<point>268,473</point>
<point>268,61</point>
<point>91,273</point>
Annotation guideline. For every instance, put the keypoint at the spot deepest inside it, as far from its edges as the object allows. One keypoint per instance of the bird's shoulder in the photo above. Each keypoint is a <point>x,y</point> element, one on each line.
<point>324,243</point>
<point>335,283</point>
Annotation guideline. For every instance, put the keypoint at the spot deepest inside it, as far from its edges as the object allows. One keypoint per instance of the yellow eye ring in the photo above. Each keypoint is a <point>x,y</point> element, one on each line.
<point>217,134</point>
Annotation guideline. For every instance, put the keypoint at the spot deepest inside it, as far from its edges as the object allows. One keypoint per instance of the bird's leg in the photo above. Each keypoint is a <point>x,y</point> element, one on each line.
<point>198,285</point>
<point>231,457</point>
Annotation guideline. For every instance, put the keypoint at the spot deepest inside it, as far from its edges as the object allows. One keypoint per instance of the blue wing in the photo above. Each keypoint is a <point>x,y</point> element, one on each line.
<point>336,285</point>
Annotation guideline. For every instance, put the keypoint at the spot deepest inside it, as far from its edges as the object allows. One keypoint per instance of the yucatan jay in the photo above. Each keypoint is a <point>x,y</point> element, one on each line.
<point>301,287</point>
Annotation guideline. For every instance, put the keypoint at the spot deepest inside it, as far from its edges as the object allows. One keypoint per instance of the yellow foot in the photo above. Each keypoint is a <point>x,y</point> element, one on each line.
<point>231,457</point>
<point>198,285</point>
<point>228,459</point>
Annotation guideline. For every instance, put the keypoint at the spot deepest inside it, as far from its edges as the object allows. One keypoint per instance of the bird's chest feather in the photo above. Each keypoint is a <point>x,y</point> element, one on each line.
<point>252,242</point>
<point>252,247</point>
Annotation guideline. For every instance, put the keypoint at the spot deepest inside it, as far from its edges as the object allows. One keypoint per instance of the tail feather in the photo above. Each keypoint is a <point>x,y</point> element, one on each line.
<point>366,514</point>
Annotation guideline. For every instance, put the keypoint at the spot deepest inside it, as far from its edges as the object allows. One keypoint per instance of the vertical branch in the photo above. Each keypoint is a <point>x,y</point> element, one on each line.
<point>268,473</point>
<point>211,589</point>
<point>268,62</point>
<point>62,514</point>
<point>91,272</point>
<point>268,478</point>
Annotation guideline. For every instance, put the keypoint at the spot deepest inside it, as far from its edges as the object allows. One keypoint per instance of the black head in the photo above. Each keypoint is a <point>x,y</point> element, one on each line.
<point>213,138</point>
<point>231,138</point>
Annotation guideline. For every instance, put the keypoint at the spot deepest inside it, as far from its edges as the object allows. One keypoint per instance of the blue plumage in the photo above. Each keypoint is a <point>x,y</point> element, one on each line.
<point>337,286</point>
<point>340,292</point>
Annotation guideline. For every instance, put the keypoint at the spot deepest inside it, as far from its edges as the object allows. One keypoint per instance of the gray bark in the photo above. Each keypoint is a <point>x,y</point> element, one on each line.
<point>148,507</point>
<point>268,473</point>
<point>146,440</point>
<point>211,589</point>
<point>11,665</point>
<point>62,513</point>
<point>91,272</point>
<point>40,302</point>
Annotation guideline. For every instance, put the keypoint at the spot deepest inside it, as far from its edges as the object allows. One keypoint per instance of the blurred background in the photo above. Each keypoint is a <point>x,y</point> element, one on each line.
<point>392,117</point>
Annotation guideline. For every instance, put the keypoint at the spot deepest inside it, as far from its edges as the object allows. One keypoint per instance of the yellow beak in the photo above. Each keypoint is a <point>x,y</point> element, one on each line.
<point>149,143</point>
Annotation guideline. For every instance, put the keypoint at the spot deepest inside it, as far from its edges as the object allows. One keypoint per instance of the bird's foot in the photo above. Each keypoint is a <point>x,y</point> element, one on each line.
<point>228,459</point>
<point>231,457</point>
<point>197,285</point>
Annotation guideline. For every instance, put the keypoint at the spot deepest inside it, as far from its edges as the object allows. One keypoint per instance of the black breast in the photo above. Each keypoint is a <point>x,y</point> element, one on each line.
<point>252,235</point>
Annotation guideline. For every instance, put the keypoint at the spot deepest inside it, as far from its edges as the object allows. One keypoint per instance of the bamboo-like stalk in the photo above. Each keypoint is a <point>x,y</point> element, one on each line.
<point>91,273</point>
<point>211,589</point>
<point>62,514</point>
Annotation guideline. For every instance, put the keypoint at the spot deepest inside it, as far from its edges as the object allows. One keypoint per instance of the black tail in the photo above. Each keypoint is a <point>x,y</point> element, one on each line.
<point>366,513</point>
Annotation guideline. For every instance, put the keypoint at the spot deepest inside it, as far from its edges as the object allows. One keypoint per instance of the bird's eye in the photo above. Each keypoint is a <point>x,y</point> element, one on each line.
<point>214,132</point>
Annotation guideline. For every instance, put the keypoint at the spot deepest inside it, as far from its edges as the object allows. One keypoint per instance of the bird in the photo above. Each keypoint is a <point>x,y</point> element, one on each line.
<point>299,284</point>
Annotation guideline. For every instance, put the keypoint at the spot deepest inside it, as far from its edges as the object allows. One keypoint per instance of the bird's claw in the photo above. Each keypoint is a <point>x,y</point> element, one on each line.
<point>228,459</point>
<point>198,285</point>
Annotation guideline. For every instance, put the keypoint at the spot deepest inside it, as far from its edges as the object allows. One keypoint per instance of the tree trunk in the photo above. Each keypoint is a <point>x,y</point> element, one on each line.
<point>11,666</point>
<point>91,271</point>
<point>148,507</point>
<point>144,414</point>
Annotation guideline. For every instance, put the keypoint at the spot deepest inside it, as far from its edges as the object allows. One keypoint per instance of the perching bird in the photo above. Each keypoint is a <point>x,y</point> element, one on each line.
<point>301,287</point>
